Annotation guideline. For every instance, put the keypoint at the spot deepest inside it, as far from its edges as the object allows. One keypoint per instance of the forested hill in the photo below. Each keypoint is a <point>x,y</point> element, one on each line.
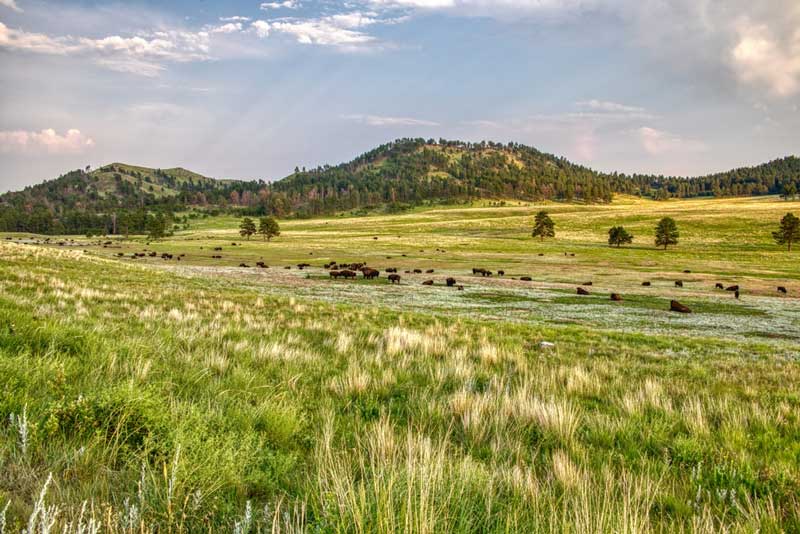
<point>119,198</point>
<point>412,170</point>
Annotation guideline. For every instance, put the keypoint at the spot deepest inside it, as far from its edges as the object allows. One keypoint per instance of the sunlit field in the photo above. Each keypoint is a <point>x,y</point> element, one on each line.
<point>195,394</point>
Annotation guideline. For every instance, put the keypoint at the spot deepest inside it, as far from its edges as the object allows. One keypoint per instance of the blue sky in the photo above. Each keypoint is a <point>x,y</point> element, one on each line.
<point>250,90</point>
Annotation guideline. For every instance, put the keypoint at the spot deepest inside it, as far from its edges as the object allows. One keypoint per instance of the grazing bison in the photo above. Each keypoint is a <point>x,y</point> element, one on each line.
<point>394,278</point>
<point>429,271</point>
<point>460,288</point>
<point>347,273</point>
<point>676,306</point>
<point>450,282</point>
<point>501,273</point>
<point>678,283</point>
<point>541,254</point>
<point>782,289</point>
<point>526,278</point>
<point>417,271</point>
<point>217,248</point>
<point>588,283</point>
<point>732,288</point>
<point>427,283</point>
<point>486,273</point>
<point>478,270</point>
<point>719,286</point>
<point>687,271</point>
<point>335,274</point>
<point>261,264</point>
<point>369,274</point>
<point>391,270</point>
<point>646,284</point>
<point>582,291</point>
<point>736,294</point>
<point>616,297</point>
<point>243,265</point>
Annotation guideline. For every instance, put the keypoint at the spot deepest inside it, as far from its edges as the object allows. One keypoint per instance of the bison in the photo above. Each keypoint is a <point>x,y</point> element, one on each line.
<point>732,288</point>
<point>450,282</point>
<point>391,270</point>
<point>782,289</point>
<point>676,306</point>
<point>678,283</point>
<point>347,273</point>
<point>429,271</point>
<point>719,286</point>
<point>394,278</point>
<point>369,274</point>
<point>417,271</point>
<point>427,283</point>
<point>646,284</point>
<point>526,278</point>
<point>616,297</point>
<point>501,273</point>
<point>587,283</point>
<point>582,291</point>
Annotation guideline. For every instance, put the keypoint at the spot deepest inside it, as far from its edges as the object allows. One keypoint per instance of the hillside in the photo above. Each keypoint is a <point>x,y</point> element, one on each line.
<point>414,170</point>
<point>394,175</point>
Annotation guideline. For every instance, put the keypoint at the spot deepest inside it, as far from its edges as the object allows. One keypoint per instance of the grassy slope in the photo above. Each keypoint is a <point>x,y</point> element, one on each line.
<point>225,387</point>
<point>107,185</point>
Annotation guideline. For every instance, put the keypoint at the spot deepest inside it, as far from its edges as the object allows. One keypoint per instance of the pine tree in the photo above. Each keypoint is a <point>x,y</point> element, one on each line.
<point>789,231</point>
<point>543,226</point>
<point>268,227</point>
<point>247,228</point>
<point>618,236</point>
<point>666,233</point>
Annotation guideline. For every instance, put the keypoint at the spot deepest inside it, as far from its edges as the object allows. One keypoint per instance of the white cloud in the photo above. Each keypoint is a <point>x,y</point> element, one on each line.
<point>340,30</point>
<point>377,120</point>
<point>11,4</point>
<point>658,142</point>
<point>286,4</point>
<point>141,54</point>
<point>48,141</point>
<point>760,58</point>
<point>234,19</point>
<point>230,27</point>
<point>602,105</point>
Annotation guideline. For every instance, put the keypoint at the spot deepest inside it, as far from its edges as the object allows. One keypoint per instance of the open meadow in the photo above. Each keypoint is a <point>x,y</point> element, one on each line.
<point>195,394</point>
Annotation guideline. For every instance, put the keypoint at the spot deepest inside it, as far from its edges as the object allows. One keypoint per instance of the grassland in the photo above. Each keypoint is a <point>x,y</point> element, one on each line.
<point>195,395</point>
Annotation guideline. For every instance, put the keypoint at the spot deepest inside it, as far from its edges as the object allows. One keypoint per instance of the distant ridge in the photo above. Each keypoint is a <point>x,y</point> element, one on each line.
<point>392,176</point>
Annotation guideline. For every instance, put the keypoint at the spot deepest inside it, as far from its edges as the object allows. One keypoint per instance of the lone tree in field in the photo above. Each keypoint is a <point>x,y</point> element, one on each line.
<point>543,226</point>
<point>789,231</point>
<point>156,227</point>
<point>667,233</point>
<point>789,192</point>
<point>268,227</point>
<point>247,228</point>
<point>619,236</point>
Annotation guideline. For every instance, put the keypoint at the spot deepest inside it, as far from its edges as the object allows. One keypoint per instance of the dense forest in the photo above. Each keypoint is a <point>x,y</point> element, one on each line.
<point>122,199</point>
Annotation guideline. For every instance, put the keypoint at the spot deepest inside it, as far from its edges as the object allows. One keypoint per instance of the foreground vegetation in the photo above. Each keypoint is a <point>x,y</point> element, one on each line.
<point>152,395</point>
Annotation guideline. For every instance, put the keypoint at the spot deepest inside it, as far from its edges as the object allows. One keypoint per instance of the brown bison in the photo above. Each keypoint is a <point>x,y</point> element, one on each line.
<point>678,283</point>
<point>370,274</point>
<point>450,282</point>
<point>732,288</point>
<point>501,273</point>
<point>334,274</point>
<point>782,289</point>
<point>719,286</point>
<point>588,283</point>
<point>394,278</point>
<point>347,273</point>
<point>526,278</point>
<point>616,297</point>
<point>391,270</point>
<point>429,271</point>
<point>676,306</point>
<point>582,291</point>
<point>427,283</point>
<point>243,265</point>
<point>646,284</point>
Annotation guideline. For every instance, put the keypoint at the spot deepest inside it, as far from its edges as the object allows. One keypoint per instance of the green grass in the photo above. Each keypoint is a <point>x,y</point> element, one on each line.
<point>174,396</point>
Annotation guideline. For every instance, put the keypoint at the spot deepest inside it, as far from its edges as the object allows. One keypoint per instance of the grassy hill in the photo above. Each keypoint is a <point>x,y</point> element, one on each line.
<point>392,177</point>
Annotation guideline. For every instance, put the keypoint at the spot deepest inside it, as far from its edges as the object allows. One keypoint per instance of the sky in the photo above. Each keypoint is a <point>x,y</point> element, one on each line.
<point>250,90</point>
